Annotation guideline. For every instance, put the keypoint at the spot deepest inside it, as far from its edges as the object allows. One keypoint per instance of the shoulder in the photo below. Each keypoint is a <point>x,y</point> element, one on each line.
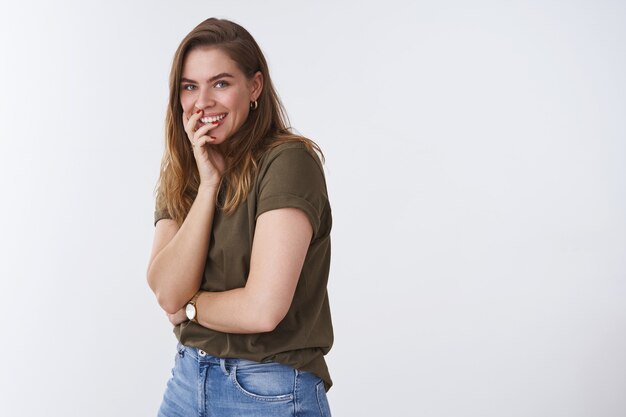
<point>291,175</point>
<point>290,166</point>
<point>291,152</point>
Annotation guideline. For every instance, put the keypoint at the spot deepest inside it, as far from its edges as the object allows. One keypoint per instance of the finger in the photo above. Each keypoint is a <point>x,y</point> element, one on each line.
<point>190,123</point>
<point>203,140</point>
<point>203,130</point>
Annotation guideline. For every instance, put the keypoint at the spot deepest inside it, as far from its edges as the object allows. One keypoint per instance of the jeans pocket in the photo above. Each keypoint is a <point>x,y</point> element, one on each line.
<point>265,381</point>
<point>180,353</point>
<point>322,400</point>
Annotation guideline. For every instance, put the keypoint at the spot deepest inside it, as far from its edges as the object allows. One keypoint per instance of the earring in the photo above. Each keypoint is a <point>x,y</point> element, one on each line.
<point>254,105</point>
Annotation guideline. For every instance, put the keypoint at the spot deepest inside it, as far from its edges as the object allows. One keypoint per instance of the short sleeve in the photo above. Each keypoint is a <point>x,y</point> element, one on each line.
<point>294,178</point>
<point>161,214</point>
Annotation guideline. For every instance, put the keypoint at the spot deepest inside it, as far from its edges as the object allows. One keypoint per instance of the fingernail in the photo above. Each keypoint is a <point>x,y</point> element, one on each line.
<point>214,123</point>
<point>199,111</point>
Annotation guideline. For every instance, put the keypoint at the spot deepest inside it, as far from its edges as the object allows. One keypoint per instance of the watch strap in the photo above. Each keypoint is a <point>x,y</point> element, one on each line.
<point>194,298</point>
<point>193,301</point>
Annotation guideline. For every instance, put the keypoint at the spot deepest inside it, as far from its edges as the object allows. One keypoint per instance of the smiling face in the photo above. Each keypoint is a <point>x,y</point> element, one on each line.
<point>211,82</point>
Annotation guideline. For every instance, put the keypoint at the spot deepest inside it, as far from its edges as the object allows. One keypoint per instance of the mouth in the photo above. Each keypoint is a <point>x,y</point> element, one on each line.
<point>213,119</point>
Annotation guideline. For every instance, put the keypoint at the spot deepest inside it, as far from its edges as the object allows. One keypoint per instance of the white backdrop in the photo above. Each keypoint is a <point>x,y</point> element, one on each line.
<point>476,163</point>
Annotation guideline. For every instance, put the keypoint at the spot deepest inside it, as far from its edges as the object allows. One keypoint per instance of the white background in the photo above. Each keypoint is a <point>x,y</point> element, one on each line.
<point>476,163</point>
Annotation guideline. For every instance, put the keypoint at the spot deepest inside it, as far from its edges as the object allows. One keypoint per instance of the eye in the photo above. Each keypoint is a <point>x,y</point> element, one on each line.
<point>188,87</point>
<point>221,84</point>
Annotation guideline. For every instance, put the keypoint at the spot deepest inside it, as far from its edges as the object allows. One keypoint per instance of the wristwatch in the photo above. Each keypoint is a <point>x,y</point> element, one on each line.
<point>191,310</point>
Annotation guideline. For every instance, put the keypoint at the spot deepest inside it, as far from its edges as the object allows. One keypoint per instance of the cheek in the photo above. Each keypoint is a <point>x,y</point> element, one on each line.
<point>186,104</point>
<point>242,105</point>
<point>238,101</point>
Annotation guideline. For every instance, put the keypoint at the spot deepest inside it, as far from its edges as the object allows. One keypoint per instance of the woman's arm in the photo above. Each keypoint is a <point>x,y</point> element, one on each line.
<point>179,254</point>
<point>281,241</point>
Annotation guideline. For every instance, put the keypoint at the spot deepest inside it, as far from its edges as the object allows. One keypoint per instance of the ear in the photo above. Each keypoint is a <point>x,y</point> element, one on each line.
<point>256,85</point>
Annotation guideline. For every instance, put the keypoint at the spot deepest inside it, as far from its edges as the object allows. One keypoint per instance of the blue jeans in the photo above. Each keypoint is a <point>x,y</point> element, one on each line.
<point>206,386</point>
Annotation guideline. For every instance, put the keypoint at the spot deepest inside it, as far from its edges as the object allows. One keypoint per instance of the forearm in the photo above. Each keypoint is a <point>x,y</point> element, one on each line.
<point>281,242</point>
<point>176,271</point>
<point>237,311</point>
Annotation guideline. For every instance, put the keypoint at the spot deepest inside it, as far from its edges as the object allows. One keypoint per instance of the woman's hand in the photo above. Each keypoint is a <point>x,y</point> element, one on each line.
<point>210,161</point>
<point>178,317</point>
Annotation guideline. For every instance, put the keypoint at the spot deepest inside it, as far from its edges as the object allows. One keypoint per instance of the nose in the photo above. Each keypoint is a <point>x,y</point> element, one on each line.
<point>205,98</point>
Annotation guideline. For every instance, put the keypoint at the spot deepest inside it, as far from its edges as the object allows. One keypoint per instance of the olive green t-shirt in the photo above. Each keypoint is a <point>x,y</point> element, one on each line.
<point>288,176</point>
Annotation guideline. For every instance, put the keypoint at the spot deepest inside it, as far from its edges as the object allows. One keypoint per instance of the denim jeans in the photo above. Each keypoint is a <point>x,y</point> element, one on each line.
<point>206,386</point>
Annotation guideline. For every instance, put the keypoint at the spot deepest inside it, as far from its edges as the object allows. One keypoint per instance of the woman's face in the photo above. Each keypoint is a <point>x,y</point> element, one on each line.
<point>211,82</point>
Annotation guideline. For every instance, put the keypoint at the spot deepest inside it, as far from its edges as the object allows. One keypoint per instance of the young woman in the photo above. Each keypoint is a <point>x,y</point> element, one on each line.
<point>241,249</point>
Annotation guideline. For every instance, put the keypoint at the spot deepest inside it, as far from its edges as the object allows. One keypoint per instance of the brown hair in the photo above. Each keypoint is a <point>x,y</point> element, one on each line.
<point>265,127</point>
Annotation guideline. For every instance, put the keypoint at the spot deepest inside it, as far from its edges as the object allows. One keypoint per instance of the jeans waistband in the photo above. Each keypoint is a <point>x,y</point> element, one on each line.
<point>204,357</point>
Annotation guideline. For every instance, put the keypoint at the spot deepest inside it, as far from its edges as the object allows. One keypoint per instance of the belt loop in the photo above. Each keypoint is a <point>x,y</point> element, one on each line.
<point>223,366</point>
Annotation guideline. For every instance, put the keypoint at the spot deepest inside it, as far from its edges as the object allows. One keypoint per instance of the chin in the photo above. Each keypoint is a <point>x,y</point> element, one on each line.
<point>219,140</point>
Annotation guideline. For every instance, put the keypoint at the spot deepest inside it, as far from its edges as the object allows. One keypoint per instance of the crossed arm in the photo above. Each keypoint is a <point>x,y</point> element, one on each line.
<point>280,244</point>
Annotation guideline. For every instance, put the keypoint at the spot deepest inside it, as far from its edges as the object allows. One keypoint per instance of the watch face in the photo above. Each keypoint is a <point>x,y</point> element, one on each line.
<point>190,310</point>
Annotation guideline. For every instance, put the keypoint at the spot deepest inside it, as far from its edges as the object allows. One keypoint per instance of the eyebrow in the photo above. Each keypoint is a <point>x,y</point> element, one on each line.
<point>213,78</point>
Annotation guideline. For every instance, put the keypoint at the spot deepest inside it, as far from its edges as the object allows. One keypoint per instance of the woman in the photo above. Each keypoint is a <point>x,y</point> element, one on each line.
<point>242,239</point>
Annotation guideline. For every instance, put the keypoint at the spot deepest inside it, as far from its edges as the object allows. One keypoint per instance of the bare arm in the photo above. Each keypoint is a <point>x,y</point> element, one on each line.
<point>179,254</point>
<point>280,245</point>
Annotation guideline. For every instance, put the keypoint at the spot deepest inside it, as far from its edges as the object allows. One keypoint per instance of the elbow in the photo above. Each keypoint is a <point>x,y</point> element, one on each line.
<point>264,326</point>
<point>265,311</point>
<point>168,304</point>
<point>267,321</point>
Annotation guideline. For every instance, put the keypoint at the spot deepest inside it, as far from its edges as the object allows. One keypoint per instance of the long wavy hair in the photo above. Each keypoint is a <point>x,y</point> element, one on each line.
<point>265,127</point>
